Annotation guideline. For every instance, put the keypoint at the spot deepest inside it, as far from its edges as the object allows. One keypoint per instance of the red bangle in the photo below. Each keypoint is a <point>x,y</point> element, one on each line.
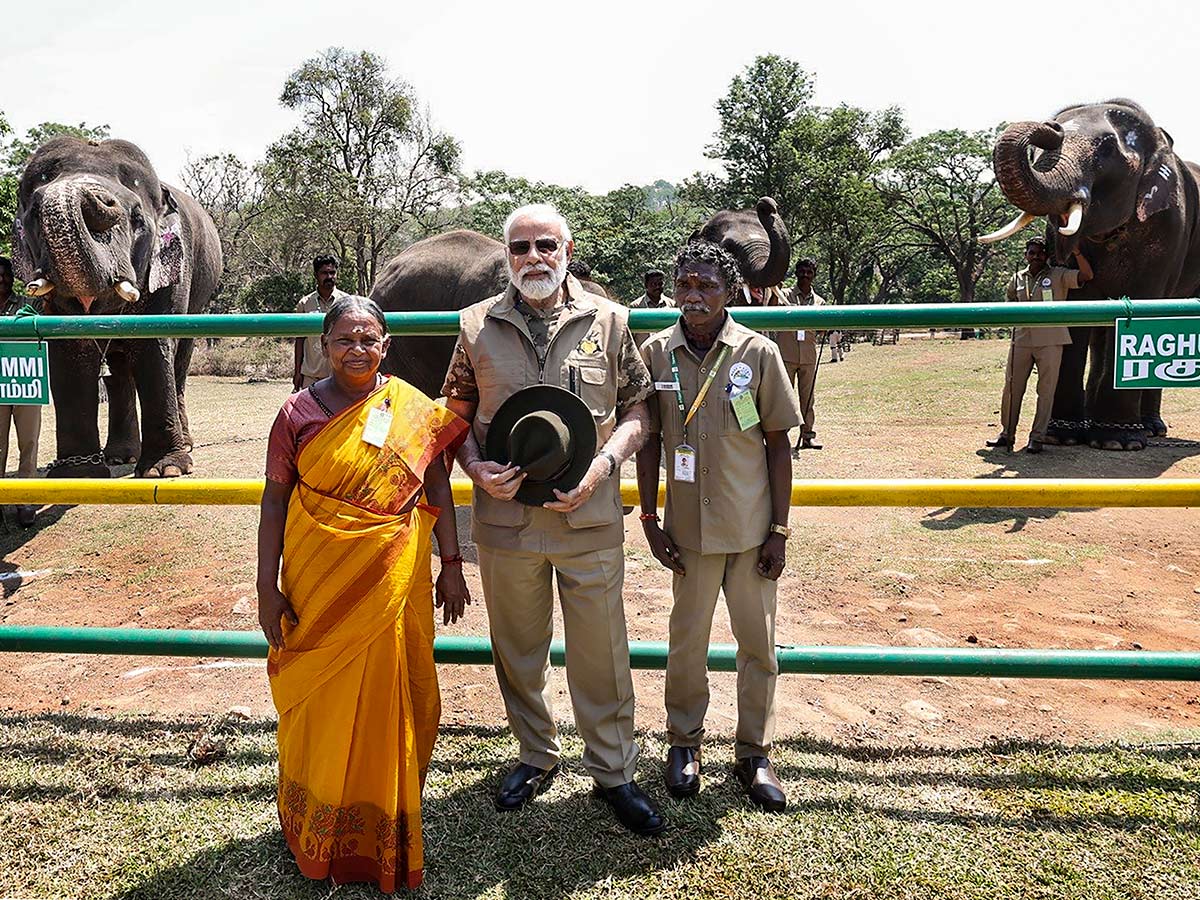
<point>448,560</point>
<point>649,517</point>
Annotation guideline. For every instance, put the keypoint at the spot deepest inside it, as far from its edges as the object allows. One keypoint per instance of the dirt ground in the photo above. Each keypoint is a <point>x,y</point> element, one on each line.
<point>1120,579</point>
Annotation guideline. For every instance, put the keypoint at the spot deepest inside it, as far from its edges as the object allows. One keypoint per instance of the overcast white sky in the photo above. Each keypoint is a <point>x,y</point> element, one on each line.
<point>595,94</point>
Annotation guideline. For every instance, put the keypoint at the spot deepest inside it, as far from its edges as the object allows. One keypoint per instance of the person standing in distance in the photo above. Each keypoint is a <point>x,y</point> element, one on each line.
<point>311,365</point>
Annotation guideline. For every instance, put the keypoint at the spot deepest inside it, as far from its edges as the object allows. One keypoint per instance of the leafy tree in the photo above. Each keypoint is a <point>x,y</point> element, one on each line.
<point>365,164</point>
<point>944,195</point>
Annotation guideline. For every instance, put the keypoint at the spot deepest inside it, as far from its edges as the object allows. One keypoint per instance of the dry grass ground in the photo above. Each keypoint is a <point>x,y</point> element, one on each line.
<point>904,787</point>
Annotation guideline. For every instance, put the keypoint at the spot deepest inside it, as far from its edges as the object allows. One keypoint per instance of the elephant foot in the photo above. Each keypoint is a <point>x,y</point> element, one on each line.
<point>170,465</point>
<point>92,466</point>
<point>1156,426</point>
<point>1117,439</point>
<point>1065,433</point>
<point>121,454</point>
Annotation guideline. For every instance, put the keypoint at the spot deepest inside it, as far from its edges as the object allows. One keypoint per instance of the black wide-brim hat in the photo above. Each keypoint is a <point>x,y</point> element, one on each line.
<point>550,433</point>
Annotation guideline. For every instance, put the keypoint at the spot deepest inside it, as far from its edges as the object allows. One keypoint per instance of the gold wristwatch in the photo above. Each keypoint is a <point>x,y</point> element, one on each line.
<point>781,529</point>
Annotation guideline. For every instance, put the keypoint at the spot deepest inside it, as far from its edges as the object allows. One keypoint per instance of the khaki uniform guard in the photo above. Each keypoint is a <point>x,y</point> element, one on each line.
<point>1035,345</point>
<point>505,345</point>
<point>799,351</point>
<point>314,365</point>
<point>719,522</point>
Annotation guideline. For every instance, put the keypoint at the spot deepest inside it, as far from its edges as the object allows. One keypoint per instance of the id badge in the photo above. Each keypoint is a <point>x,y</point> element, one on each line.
<point>744,409</point>
<point>379,423</point>
<point>685,464</point>
<point>799,335</point>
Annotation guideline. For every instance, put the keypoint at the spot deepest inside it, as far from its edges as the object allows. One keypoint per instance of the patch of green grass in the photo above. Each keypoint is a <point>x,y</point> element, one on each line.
<point>109,808</point>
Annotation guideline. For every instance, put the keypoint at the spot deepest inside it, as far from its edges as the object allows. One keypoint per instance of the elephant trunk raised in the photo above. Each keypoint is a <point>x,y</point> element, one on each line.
<point>756,238</point>
<point>1044,186</point>
<point>87,234</point>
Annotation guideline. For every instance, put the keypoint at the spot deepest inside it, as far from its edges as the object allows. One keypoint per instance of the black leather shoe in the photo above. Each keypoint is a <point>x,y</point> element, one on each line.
<point>633,808</point>
<point>1002,440</point>
<point>1034,447</point>
<point>521,785</point>
<point>762,785</point>
<point>26,515</point>
<point>682,773</point>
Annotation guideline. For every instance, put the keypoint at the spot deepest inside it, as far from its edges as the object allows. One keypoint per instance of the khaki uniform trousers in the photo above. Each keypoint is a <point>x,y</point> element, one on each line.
<point>751,602</point>
<point>1016,375</point>
<point>520,604</point>
<point>28,420</point>
<point>804,377</point>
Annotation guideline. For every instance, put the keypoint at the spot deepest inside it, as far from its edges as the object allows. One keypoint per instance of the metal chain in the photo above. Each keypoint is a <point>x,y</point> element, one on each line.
<point>95,459</point>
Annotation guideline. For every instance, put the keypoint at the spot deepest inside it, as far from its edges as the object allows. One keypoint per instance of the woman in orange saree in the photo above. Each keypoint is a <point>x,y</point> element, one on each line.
<point>350,616</point>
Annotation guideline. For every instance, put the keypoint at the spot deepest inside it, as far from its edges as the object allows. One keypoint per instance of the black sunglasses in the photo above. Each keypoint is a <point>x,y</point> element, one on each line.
<point>544,245</point>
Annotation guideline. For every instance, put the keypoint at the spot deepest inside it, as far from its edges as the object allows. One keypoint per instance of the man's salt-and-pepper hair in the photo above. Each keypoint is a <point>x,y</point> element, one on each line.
<point>539,211</point>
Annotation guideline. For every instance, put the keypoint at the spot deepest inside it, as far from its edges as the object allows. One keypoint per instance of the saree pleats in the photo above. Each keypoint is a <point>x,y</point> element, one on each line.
<point>356,688</point>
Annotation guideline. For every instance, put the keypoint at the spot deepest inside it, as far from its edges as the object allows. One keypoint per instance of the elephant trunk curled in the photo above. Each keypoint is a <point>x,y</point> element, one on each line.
<point>81,223</point>
<point>1045,186</point>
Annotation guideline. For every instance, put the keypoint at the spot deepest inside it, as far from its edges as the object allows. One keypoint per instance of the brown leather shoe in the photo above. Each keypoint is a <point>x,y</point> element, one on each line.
<point>682,772</point>
<point>758,777</point>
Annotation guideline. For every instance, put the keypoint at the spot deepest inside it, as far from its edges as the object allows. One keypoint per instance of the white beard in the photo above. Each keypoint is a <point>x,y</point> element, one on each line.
<point>539,288</point>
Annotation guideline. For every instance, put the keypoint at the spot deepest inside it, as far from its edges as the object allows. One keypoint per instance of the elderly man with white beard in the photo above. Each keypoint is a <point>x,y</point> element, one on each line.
<point>546,330</point>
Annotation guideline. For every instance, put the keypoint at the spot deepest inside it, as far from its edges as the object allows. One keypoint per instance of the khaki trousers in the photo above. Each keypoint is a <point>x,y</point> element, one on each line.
<point>28,420</point>
<point>520,602</point>
<point>804,377</point>
<point>751,602</point>
<point>1021,361</point>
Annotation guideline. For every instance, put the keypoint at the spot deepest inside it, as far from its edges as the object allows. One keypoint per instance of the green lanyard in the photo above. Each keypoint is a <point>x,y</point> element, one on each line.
<point>712,373</point>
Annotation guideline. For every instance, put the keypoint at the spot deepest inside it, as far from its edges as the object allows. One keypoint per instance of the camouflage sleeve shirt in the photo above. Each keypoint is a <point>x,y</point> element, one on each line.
<point>460,381</point>
<point>634,383</point>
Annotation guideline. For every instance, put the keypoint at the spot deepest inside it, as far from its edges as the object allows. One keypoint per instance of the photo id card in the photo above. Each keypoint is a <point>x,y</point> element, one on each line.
<point>685,464</point>
<point>379,423</point>
<point>744,409</point>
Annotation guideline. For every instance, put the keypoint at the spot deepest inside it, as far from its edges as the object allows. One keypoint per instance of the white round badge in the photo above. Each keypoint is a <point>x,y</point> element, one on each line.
<point>740,374</point>
<point>1045,282</point>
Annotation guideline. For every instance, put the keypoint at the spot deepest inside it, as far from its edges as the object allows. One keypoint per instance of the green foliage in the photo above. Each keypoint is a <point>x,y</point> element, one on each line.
<point>274,293</point>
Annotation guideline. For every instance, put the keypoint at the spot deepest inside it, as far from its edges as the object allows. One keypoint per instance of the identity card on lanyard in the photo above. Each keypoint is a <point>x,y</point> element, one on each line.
<point>685,455</point>
<point>379,423</point>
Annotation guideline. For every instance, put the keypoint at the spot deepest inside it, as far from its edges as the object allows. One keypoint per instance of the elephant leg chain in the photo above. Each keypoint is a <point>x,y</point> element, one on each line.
<point>94,459</point>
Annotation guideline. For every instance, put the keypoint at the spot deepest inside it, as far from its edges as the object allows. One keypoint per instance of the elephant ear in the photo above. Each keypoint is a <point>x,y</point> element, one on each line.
<point>166,263</point>
<point>22,258</point>
<point>1160,186</point>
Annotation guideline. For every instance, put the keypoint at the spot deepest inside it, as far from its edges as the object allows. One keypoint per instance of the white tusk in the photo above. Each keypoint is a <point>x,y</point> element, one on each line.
<point>1074,218</point>
<point>1008,230</point>
<point>128,292</point>
<point>39,286</point>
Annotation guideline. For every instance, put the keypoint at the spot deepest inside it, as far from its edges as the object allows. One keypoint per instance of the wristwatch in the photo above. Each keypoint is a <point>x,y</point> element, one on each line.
<point>612,462</point>
<point>781,529</point>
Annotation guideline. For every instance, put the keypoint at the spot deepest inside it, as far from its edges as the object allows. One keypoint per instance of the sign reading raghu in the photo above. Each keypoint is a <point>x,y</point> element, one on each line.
<point>1157,353</point>
<point>24,373</point>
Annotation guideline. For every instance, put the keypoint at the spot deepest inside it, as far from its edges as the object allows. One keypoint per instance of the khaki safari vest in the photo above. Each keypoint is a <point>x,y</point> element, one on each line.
<point>587,342</point>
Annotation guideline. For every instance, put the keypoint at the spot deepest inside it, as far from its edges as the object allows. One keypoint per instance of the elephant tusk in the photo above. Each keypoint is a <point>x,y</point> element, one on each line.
<point>1074,218</point>
<point>128,292</point>
<point>38,287</point>
<point>1008,230</point>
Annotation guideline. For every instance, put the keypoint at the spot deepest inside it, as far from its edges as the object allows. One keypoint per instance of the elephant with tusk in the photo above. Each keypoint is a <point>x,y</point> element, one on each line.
<point>96,232</point>
<point>1110,184</point>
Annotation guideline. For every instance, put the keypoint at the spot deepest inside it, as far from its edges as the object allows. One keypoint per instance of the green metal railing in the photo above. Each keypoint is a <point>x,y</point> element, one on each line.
<point>931,315</point>
<point>978,663</point>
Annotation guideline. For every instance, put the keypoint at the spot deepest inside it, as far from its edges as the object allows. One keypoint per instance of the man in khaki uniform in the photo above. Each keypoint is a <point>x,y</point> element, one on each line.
<point>653,298</point>
<point>26,418</point>
<point>310,362</point>
<point>1036,346</point>
<point>546,329</point>
<point>799,351</point>
<point>721,415</point>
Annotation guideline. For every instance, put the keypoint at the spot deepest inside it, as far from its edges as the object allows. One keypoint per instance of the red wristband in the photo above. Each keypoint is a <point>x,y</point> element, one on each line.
<point>449,560</point>
<point>649,517</point>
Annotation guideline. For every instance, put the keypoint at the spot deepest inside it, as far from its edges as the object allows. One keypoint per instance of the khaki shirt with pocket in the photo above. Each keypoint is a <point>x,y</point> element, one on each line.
<point>728,507</point>
<point>798,348</point>
<point>314,363</point>
<point>591,347</point>
<point>1052,283</point>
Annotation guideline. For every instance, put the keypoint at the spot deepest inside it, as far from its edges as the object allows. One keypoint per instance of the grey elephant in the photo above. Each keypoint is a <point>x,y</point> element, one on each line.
<point>97,233</point>
<point>1110,183</point>
<point>453,270</point>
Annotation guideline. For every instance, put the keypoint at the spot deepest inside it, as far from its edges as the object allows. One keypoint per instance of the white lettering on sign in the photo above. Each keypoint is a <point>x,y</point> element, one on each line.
<point>1179,370</point>
<point>1135,368</point>
<point>1159,345</point>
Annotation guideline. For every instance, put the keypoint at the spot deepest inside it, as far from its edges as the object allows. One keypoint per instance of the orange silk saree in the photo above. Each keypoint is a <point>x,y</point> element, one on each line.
<point>355,688</point>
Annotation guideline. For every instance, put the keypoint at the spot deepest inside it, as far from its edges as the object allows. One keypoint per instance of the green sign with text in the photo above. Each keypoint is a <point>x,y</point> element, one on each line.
<point>1157,353</point>
<point>24,373</point>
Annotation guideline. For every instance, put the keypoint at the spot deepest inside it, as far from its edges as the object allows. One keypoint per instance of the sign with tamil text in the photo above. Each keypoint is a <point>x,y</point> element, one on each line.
<point>24,373</point>
<point>1157,353</point>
